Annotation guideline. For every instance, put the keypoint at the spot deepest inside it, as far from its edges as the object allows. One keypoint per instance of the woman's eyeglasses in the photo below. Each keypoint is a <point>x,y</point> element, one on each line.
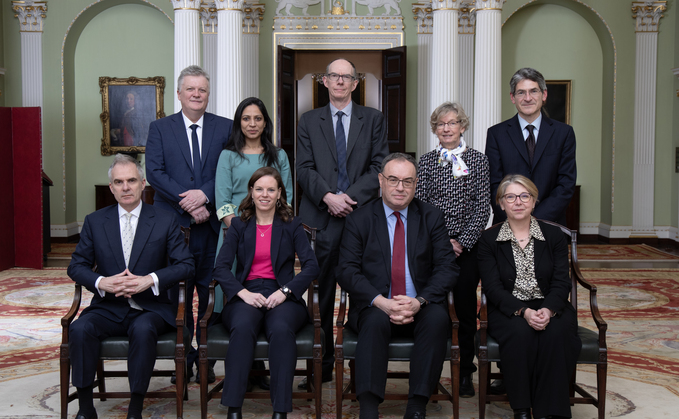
<point>524,197</point>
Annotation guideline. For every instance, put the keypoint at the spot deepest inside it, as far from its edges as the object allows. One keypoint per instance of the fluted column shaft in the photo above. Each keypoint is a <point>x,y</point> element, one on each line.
<point>31,14</point>
<point>647,20</point>
<point>488,70</point>
<point>252,18</point>
<point>229,56</point>
<point>186,38</point>
<point>208,20</point>
<point>423,16</point>
<point>466,39</point>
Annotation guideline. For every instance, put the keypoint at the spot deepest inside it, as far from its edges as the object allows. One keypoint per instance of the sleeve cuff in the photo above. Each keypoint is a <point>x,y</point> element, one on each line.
<point>154,287</point>
<point>226,210</point>
<point>102,294</point>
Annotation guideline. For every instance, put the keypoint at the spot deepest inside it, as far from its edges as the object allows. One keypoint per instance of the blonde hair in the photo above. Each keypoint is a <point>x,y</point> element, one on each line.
<point>520,180</point>
<point>444,109</point>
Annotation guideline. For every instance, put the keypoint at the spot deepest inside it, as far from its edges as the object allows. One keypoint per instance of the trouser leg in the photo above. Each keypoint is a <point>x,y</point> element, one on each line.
<point>464,294</point>
<point>431,332</point>
<point>143,332</point>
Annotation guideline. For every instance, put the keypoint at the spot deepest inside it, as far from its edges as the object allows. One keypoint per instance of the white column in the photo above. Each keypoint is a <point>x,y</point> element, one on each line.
<point>31,14</point>
<point>229,56</point>
<point>445,63</point>
<point>252,17</point>
<point>466,34</point>
<point>208,20</point>
<point>422,12</point>
<point>647,15</point>
<point>186,38</point>
<point>488,69</point>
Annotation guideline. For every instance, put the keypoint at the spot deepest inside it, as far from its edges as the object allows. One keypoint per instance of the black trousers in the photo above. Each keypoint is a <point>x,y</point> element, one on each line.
<point>537,365</point>
<point>142,328</point>
<point>426,361</point>
<point>281,325</point>
<point>464,295</point>
<point>327,253</point>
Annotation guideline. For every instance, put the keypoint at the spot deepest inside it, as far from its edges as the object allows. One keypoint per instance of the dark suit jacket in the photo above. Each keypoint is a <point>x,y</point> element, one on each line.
<point>364,268</point>
<point>498,271</point>
<point>317,159</point>
<point>553,170</point>
<point>169,164</point>
<point>158,247</point>
<point>286,240</point>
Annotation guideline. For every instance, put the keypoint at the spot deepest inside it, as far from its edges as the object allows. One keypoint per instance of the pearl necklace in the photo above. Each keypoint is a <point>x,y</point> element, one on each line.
<point>262,233</point>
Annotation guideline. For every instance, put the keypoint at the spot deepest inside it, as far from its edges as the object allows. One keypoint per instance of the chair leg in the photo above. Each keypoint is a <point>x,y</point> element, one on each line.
<point>64,371</point>
<point>339,384</point>
<point>318,385</point>
<point>102,380</point>
<point>352,376</point>
<point>455,378</point>
<point>180,386</point>
<point>202,367</point>
<point>484,367</point>
<point>601,388</point>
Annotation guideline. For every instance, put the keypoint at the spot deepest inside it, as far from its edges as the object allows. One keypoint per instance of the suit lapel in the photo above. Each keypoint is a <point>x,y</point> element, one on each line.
<point>326,128</point>
<point>382,233</point>
<point>506,249</point>
<point>181,137</point>
<point>112,229</point>
<point>141,235</point>
<point>208,133</point>
<point>250,240</point>
<point>516,136</point>
<point>276,234</point>
<point>539,249</point>
<point>413,228</point>
<point>544,135</point>
<point>354,128</point>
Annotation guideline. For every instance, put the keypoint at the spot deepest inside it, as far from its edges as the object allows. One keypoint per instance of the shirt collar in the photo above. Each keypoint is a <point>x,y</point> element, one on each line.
<point>388,211</point>
<point>347,109</point>
<point>523,123</point>
<point>135,212</point>
<point>506,233</point>
<point>188,122</point>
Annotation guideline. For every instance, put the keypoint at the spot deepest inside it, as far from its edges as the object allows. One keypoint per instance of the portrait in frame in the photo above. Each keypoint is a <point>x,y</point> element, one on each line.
<point>129,106</point>
<point>558,104</point>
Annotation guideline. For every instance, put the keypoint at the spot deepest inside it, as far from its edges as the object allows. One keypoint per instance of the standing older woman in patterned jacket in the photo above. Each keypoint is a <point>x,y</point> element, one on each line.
<point>455,178</point>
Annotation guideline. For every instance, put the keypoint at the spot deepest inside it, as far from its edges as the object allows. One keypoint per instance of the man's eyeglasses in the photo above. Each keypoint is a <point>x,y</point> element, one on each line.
<point>510,197</point>
<point>393,181</point>
<point>442,125</point>
<point>348,78</point>
<point>522,93</point>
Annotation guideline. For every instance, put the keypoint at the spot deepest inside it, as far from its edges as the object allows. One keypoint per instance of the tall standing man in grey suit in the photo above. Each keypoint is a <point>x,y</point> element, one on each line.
<point>340,148</point>
<point>181,161</point>
<point>533,145</point>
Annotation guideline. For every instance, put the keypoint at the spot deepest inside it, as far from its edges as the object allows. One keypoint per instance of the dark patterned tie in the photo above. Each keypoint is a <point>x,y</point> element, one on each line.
<point>341,144</point>
<point>530,143</point>
<point>197,170</point>
<point>398,259</point>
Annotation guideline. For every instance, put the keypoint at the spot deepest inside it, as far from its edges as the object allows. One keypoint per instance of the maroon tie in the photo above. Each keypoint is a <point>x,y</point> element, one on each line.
<point>398,259</point>
<point>530,143</point>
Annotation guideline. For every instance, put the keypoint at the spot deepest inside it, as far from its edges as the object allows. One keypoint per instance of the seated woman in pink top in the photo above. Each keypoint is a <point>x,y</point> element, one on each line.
<point>265,293</point>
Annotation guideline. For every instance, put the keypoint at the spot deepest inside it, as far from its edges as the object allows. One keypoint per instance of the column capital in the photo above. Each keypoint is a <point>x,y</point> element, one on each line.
<point>422,14</point>
<point>647,14</point>
<point>488,4</point>
<point>208,17</point>
<point>437,5</point>
<point>253,14</point>
<point>229,4</point>
<point>186,4</point>
<point>467,19</point>
<point>30,14</point>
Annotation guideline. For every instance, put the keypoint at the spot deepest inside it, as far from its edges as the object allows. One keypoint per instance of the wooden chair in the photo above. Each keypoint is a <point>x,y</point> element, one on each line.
<point>593,351</point>
<point>399,350</point>
<point>170,345</point>
<point>214,343</point>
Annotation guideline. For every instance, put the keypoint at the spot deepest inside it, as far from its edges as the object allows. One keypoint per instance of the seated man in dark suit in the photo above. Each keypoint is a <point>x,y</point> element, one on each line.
<point>140,253</point>
<point>397,265</point>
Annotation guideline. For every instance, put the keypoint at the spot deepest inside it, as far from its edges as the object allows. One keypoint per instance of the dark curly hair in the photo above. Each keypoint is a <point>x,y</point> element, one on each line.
<point>247,207</point>
<point>237,140</point>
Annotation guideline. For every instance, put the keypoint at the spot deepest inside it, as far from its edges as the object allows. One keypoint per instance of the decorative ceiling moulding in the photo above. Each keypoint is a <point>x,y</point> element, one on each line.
<point>30,14</point>
<point>648,14</point>
<point>186,4</point>
<point>423,17</point>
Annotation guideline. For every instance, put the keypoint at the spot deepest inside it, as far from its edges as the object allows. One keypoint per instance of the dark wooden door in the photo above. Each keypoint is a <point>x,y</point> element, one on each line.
<point>285,108</point>
<point>394,96</point>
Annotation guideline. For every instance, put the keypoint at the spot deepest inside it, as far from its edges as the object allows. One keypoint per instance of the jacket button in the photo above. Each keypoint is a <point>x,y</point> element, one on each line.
<point>192,179</point>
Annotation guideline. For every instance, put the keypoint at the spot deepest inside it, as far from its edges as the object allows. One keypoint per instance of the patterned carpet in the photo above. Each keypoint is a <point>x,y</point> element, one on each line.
<point>640,306</point>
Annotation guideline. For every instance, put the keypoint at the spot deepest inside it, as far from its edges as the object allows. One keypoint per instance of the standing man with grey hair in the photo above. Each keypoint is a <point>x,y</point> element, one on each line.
<point>340,148</point>
<point>182,152</point>
<point>533,145</point>
<point>140,254</point>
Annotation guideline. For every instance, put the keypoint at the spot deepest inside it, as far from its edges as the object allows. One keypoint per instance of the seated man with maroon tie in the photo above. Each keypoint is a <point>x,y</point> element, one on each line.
<point>397,265</point>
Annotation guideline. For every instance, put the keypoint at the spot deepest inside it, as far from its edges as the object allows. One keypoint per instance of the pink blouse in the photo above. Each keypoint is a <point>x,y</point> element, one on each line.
<point>261,263</point>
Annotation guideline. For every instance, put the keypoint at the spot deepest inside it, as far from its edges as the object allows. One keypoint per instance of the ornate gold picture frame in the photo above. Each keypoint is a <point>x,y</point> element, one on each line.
<point>129,106</point>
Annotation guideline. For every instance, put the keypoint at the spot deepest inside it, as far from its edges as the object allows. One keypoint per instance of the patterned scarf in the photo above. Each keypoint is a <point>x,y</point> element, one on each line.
<point>453,156</point>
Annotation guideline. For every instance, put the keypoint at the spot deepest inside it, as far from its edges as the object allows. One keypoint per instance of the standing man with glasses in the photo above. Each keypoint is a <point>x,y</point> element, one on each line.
<point>533,145</point>
<point>340,148</point>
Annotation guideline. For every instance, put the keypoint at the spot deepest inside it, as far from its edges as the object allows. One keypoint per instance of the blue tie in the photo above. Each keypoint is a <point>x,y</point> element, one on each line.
<point>341,144</point>
<point>197,177</point>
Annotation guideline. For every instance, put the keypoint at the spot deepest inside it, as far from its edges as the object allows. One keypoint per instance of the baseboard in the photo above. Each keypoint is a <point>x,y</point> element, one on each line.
<point>65,233</point>
<point>604,233</point>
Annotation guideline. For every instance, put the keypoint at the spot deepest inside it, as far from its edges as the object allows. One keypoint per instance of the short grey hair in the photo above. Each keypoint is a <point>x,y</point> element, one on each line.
<point>124,159</point>
<point>444,109</point>
<point>398,156</point>
<point>192,70</point>
<point>353,67</point>
<point>527,73</point>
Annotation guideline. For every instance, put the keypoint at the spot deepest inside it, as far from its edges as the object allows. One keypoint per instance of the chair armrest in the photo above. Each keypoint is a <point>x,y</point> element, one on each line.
<point>181,306</point>
<point>72,312</point>
<point>454,320</point>
<point>483,320</point>
<point>205,321</point>
<point>313,304</point>
<point>340,320</point>
<point>601,324</point>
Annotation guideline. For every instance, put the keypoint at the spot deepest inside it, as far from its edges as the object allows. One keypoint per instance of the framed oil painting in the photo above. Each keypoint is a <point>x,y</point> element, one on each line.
<point>129,106</point>
<point>558,104</point>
